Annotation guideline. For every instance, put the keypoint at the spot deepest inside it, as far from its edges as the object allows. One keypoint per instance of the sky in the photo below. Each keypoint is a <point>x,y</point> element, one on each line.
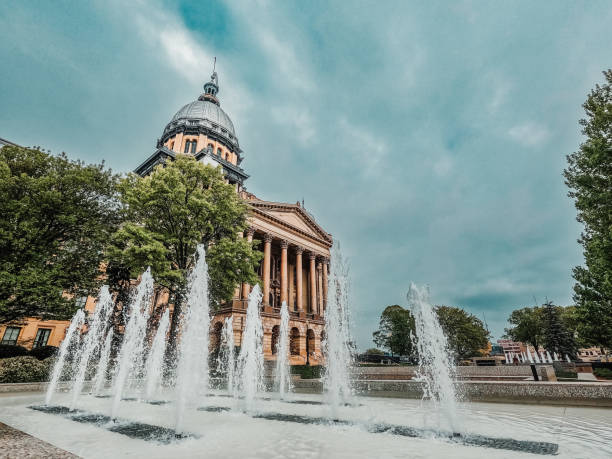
<point>428,137</point>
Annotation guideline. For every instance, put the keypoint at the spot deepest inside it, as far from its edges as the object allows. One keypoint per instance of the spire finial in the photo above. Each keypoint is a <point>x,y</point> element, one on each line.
<point>212,87</point>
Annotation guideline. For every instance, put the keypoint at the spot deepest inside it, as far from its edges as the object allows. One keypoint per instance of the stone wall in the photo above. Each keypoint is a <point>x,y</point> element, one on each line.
<point>529,392</point>
<point>463,372</point>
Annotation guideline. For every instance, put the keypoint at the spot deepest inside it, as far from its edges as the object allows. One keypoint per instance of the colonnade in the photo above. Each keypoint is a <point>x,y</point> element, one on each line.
<point>309,291</point>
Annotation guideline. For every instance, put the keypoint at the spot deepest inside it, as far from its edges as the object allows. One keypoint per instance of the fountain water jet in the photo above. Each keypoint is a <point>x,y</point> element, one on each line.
<point>133,338</point>
<point>251,359</point>
<point>192,370</point>
<point>67,344</point>
<point>155,360</point>
<point>227,357</point>
<point>282,376</point>
<point>100,377</point>
<point>436,369</point>
<point>337,343</point>
<point>93,338</point>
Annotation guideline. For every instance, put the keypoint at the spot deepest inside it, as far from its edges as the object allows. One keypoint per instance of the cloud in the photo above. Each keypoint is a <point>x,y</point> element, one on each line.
<point>529,134</point>
<point>409,129</point>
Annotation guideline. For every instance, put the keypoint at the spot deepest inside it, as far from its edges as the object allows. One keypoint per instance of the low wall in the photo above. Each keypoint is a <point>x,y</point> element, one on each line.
<point>463,372</point>
<point>530,392</point>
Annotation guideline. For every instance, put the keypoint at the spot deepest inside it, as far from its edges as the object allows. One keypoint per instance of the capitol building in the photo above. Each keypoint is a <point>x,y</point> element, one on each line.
<point>296,248</point>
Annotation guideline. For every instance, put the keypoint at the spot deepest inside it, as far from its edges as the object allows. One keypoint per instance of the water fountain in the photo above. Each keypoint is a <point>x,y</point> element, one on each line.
<point>250,358</point>
<point>154,365</point>
<point>66,347</point>
<point>192,371</point>
<point>132,348</point>
<point>282,374</point>
<point>337,344</point>
<point>436,370</point>
<point>100,378</point>
<point>227,355</point>
<point>93,339</point>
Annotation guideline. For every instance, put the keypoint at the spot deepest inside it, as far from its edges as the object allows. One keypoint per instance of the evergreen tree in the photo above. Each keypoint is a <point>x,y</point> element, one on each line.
<point>557,337</point>
<point>589,178</point>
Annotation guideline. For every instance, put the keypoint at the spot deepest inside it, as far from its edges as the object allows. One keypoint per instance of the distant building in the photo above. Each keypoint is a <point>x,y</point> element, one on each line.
<point>592,354</point>
<point>511,346</point>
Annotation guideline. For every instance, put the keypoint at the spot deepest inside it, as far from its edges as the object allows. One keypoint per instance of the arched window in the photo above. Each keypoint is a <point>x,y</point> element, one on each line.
<point>227,156</point>
<point>210,147</point>
<point>310,341</point>
<point>187,145</point>
<point>275,333</point>
<point>193,146</point>
<point>216,336</point>
<point>219,152</point>
<point>294,341</point>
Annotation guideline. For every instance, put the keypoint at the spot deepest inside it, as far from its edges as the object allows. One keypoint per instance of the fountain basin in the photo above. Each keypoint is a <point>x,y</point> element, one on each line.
<point>378,427</point>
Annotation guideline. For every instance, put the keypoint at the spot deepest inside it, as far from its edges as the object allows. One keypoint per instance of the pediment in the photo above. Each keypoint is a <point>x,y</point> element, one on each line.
<point>293,216</point>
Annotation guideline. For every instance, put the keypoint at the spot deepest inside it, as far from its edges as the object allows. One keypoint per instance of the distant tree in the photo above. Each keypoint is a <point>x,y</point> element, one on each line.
<point>589,178</point>
<point>465,333</point>
<point>395,331</point>
<point>528,326</point>
<point>557,337</point>
<point>57,217</point>
<point>167,214</point>
<point>573,323</point>
<point>374,351</point>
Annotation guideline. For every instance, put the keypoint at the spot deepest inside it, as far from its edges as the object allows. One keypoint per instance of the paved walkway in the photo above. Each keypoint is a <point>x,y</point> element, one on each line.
<point>15,444</point>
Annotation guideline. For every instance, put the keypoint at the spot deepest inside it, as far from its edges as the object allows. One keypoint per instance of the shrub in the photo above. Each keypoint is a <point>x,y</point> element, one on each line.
<point>307,371</point>
<point>566,373</point>
<point>8,351</point>
<point>604,373</point>
<point>43,352</point>
<point>24,369</point>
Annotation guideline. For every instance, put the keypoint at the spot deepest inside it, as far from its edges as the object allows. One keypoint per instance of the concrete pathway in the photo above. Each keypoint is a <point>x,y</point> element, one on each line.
<point>15,444</point>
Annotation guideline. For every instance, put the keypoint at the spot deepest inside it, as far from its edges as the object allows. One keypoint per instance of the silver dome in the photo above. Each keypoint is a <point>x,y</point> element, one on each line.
<point>205,110</point>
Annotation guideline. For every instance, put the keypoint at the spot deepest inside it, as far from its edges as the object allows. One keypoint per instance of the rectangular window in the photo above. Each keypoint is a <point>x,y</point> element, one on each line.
<point>42,337</point>
<point>10,336</point>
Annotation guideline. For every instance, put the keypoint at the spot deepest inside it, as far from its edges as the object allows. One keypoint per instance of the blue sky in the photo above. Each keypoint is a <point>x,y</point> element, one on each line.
<point>428,137</point>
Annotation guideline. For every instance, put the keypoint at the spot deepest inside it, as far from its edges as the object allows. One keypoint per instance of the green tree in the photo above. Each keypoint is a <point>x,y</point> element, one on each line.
<point>57,216</point>
<point>589,178</point>
<point>465,332</point>
<point>557,337</point>
<point>528,326</point>
<point>168,213</point>
<point>374,351</point>
<point>395,331</point>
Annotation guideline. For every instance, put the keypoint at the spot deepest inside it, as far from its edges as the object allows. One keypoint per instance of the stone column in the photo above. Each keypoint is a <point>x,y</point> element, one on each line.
<point>298,279</point>
<point>313,282</point>
<point>325,261</point>
<point>284,296</point>
<point>246,288</point>
<point>319,288</point>
<point>265,275</point>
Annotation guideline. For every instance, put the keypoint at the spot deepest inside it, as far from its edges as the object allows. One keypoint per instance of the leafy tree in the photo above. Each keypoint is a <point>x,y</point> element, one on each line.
<point>374,351</point>
<point>465,332</point>
<point>589,178</point>
<point>528,326</point>
<point>57,216</point>
<point>557,337</point>
<point>168,213</point>
<point>395,331</point>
